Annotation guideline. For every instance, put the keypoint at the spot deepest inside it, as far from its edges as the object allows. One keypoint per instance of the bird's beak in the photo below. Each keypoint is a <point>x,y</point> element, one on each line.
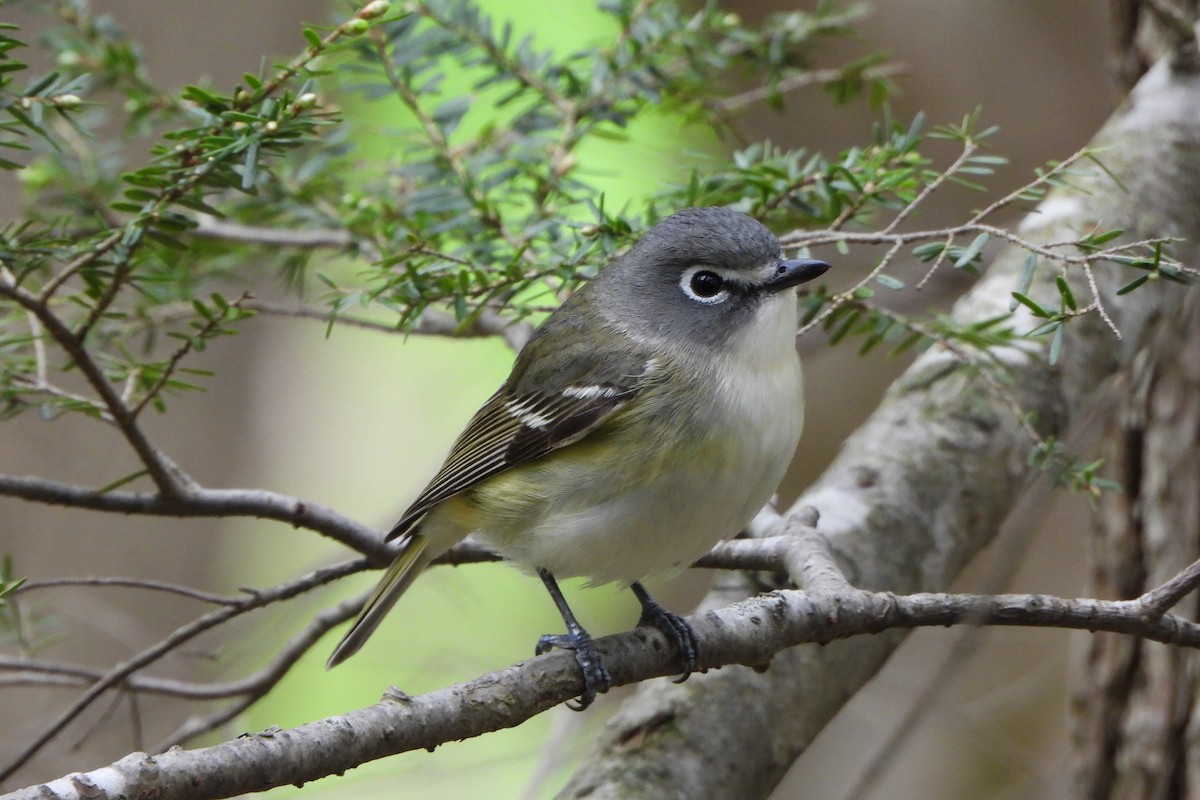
<point>789,272</point>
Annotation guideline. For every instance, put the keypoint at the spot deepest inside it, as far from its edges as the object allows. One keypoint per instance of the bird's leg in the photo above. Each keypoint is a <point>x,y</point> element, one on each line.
<point>674,626</point>
<point>595,677</point>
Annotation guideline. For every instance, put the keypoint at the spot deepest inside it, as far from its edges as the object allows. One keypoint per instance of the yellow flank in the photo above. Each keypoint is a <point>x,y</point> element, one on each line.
<point>605,506</point>
<point>604,465</point>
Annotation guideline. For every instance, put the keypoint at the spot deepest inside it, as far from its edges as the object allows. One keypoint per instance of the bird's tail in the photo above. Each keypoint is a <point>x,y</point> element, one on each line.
<point>409,563</point>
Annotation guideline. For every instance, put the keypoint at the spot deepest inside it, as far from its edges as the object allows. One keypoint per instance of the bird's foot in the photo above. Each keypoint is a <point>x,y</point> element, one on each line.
<point>676,628</point>
<point>596,679</point>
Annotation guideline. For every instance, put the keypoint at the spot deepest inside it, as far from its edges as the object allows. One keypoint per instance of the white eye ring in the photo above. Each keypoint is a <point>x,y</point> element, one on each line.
<point>704,285</point>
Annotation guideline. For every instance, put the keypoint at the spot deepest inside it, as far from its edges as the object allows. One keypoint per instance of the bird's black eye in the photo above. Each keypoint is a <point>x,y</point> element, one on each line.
<point>706,284</point>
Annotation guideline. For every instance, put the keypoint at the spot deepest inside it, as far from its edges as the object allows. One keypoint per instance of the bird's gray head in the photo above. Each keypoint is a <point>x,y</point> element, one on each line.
<point>700,275</point>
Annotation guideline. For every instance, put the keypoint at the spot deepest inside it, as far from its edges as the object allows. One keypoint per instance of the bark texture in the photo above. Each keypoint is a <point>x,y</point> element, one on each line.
<point>1135,709</point>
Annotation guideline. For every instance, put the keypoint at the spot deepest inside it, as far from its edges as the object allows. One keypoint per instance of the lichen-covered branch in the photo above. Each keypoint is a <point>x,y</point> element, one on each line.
<point>752,631</point>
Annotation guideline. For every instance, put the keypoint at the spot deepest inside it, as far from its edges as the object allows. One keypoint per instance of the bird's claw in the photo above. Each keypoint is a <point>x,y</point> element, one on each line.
<point>596,679</point>
<point>677,629</point>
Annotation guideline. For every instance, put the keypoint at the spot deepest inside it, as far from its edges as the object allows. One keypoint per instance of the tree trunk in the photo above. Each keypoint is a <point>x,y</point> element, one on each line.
<point>1135,707</point>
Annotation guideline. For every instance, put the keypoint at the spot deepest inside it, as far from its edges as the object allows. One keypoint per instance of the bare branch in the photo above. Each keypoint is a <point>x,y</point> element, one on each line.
<point>803,79</point>
<point>210,227</point>
<point>431,322</point>
<point>121,672</point>
<point>1159,600</point>
<point>750,632</point>
<point>201,502</point>
<point>135,583</point>
<point>249,689</point>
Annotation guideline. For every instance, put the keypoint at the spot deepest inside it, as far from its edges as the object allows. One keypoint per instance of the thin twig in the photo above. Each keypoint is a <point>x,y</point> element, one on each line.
<point>114,286</point>
<point>431,322</point>
<point>120,672</point>
<point>840,299</point>
<point>1098,303</point>
<point>803,79</point>
<point>167,476</point>
<point>181,352</point>
<point>1022,191</point>
<point>503,61</point>
<point>1157,602</point>
<point>252,688</point>
<point>969,149</point>
<point>134,583</point>
<point>80,261</point>
<point>205,502</point>
<point>39,346</point>
<point>248,689</point>
<point>56,391</point>
<point>210,227</point>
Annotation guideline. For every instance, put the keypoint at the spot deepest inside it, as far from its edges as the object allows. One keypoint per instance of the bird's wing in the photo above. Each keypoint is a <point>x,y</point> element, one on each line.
<point>516,425</point>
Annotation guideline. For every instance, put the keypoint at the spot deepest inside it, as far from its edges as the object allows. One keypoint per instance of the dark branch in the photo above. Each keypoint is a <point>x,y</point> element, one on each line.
<point>201,502</point>
<point>121,672</point>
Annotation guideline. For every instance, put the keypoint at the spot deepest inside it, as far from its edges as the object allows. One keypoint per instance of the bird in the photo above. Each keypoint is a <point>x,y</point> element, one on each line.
<point>650,416</point>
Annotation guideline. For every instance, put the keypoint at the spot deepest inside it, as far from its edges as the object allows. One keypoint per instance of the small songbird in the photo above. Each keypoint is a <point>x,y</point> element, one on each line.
<point>651,415</point>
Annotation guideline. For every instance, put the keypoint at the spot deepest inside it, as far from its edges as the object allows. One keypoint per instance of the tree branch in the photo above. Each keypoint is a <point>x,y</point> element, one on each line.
<point>134,583</point>
<point>751,632</point>
<point>201,502</point>
<point>167,476</point>
<point>251,688</point>
<point>121,672</point>
<point>430,322</point>
<point>802,79</point>
<point>210,227</point>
